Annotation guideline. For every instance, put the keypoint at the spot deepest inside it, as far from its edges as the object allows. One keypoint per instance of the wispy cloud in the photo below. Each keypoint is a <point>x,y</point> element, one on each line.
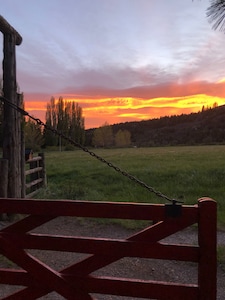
<point>121,60</point>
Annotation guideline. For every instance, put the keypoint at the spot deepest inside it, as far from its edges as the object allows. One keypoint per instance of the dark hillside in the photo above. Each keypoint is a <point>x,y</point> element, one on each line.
<point>206,127</point>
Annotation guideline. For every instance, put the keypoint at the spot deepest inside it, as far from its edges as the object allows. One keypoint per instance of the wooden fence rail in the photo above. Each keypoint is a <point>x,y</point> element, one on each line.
<point>35,175</point>
<point>77,280</point>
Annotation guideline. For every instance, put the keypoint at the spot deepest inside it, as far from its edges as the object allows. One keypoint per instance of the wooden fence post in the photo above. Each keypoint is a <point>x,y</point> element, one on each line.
<point>12,118</point>
<point>208,249</point>
<point>43,172</point>
<point>3,181</point>
<point>22,142</point>
<point>33,176</point>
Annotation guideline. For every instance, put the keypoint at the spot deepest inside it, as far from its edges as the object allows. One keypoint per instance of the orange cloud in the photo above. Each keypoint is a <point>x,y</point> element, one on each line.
<point>165,100</point>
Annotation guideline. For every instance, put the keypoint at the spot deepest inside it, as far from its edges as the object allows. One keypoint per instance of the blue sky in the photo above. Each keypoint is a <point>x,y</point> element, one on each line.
<point>116,50</point>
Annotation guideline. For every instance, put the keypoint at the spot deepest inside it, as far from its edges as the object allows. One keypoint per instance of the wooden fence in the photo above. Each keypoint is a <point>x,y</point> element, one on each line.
<point>35,175</point>
<point>77,280</point>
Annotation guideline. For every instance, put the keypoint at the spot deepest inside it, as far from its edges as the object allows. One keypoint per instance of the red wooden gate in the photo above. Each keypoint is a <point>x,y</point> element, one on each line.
<point>77,281</point>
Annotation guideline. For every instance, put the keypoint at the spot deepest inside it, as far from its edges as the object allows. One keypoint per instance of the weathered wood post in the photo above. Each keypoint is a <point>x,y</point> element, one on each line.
<point>43,172</point>
<point>3,182</point>
<point>33,176</point>
<point>22,162</point>
<point>12,118</point>
<point>208,249</point>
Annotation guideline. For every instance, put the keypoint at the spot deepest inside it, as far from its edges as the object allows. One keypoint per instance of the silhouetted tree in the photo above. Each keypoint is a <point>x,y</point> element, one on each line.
<point>122,138</point>
<point>66,117</point>
<point>103,136</point>
<point>33,135</point>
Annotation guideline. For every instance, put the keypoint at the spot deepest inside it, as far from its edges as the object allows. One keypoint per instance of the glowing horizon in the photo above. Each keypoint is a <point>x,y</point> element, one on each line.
<point>127,109</point>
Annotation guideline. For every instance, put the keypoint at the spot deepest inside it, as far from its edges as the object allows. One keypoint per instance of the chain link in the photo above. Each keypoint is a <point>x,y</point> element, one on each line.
<point>85,149</point>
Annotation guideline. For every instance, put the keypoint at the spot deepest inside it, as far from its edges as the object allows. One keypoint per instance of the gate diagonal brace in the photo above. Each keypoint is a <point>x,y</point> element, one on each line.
<point>40,272</point>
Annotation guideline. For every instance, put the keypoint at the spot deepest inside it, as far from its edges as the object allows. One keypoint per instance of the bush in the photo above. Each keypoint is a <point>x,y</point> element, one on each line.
<point>69,147</point>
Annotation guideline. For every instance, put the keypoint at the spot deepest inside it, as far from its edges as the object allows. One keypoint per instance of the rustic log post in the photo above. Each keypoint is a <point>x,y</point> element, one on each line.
<point>208,249</point>
<point>12,118</point>
<point>3,182</point>
<point>5,28</point>
<point>22,161</point>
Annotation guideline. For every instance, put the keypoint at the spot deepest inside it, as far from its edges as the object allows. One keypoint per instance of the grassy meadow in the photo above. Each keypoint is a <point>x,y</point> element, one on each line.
<point>185,173</point>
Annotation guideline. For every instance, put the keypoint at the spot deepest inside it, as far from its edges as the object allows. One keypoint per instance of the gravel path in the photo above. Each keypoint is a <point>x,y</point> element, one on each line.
<point>171,271</point>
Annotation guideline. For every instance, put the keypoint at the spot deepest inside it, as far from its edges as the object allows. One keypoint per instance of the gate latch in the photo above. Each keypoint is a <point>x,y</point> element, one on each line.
<point>173,210</point>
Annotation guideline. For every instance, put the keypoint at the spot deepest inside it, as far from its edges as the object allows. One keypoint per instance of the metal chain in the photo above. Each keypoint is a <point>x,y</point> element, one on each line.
<point>85,149</point>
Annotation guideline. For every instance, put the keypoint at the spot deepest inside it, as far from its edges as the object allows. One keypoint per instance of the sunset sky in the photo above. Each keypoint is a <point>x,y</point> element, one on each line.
<point>121,60</point>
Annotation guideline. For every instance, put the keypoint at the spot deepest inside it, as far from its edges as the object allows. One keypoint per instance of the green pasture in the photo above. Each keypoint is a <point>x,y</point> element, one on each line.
<point>185,173</point>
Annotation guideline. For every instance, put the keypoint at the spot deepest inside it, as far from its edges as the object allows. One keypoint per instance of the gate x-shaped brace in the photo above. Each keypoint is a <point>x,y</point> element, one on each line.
<point>68,281</point>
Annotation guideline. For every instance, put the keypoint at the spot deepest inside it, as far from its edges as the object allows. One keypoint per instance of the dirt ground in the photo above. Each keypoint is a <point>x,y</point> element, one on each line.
<point>147,269</point>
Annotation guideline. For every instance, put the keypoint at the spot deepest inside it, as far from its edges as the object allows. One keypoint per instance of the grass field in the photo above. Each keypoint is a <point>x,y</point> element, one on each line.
<point>186,173</point>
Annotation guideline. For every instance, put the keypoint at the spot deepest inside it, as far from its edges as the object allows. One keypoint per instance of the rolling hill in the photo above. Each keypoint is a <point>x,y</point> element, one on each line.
<point>205,127</point>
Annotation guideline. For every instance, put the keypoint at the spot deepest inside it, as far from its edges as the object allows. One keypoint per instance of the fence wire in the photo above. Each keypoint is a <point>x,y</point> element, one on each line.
<point>85,149</point>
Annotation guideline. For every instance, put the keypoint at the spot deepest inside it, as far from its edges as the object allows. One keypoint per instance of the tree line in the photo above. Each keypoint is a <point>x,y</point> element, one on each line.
<point>104,137</point>
<point>203,128</point>
<point>64,116</point>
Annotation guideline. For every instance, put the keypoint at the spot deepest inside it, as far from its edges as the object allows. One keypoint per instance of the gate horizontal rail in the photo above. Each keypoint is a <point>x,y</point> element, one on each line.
<point>77,281</point>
